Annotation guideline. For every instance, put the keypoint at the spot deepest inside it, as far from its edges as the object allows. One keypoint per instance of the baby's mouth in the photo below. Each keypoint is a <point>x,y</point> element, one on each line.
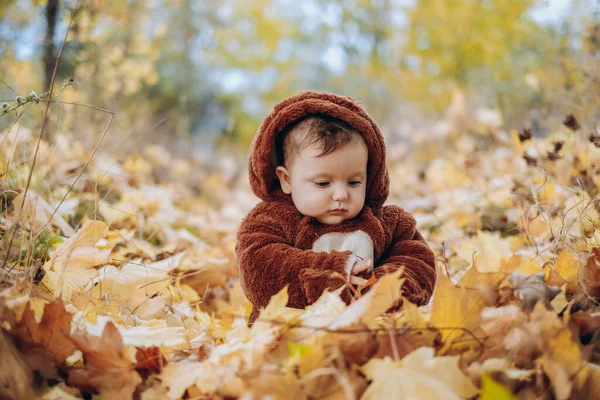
<point>337,211</point>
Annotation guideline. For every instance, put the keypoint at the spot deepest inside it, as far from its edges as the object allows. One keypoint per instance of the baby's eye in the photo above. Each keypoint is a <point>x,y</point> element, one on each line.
<point>354,183</point>
<point>322,184</point>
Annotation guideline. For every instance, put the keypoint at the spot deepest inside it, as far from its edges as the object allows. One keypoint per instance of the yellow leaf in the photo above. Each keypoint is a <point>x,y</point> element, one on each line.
<point>562,364</point>
<point>380,298</point>
<point>274,309</point>
<point>492,390</point>
<point>529,268</point>
<point>74,260</point>
<point>454,307</point>
<point>489,249</point>
<point>419,375</point>
<point>567,266</point>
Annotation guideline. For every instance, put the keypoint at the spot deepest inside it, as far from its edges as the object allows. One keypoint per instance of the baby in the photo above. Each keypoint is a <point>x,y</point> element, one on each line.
<point>318,165</point>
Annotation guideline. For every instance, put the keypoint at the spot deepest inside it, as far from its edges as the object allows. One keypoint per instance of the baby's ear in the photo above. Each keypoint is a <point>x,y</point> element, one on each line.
<point>284,179</point>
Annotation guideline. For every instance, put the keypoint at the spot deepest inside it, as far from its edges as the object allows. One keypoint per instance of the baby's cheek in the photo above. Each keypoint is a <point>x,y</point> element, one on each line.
<point>315,200</point>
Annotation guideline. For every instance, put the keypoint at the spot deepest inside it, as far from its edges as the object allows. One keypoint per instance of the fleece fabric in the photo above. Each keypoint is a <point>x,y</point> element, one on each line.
<point>278,246</point>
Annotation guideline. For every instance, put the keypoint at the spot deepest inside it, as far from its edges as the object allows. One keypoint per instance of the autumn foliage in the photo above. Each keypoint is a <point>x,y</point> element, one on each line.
<point>130,289</point>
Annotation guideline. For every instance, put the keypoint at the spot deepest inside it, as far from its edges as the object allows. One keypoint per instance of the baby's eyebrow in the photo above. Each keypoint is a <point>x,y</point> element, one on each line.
<point>317,176</point>
<point>359,174</point>
<point>324,175</point>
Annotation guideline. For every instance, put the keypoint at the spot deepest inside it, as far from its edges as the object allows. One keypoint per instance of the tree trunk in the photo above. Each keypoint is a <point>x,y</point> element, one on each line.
<point>49,45</point>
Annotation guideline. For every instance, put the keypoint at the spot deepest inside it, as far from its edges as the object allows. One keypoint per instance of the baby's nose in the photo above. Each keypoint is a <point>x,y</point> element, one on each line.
<point>340,194</point>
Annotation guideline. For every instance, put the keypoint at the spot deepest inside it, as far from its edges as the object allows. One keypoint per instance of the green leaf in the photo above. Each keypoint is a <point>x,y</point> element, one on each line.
<point>54,239</point>
<point>298,349</point>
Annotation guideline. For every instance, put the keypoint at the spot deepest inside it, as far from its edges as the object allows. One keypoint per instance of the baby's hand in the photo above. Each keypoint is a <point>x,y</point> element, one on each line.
<point>359,266</point>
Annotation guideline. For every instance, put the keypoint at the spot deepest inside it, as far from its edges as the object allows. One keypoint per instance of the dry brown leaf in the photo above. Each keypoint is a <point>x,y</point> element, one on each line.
<point>370,282</point>
<point>47,340</point>
<point>16,377</point>
<point>149,361</point>
<point>590,275</point>
<point>74,261</point>
<point>274,384</point>
<point>356,348</point>
<point>529,289</point>
<point>107,368</point>
<point>334,384</point>
<point>405,343</point>
<point>586,322</point>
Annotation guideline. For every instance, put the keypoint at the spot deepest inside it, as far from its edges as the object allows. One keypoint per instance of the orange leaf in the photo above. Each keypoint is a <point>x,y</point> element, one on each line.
<point>370,282</point>
<point>107,368</point>
<point>591,274</point>
<point>46,341</point>
<point>149,361</point>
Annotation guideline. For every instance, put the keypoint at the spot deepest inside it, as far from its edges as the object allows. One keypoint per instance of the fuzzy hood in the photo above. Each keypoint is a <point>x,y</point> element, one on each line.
<point>263,179</point>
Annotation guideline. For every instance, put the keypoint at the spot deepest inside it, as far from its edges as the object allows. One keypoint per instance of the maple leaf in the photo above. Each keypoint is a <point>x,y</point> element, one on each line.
<point>107,368</point>
<point>74,260</point>
<point>564,271</point>
<point>419,375</point>
<point>47,340</point>
<point>454,309</point>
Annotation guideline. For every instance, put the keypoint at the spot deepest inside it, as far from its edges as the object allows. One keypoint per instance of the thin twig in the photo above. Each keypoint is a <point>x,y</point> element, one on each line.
<point>396,331</point>
<point>87,163</point>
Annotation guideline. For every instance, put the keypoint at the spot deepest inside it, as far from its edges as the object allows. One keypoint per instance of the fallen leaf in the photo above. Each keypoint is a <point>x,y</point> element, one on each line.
<point>149,361</point>
<point>107,368</point>
<point>384,294</point>
<point>47,340</point>
<point>590,274</point>
<point>74,260</point>
<point>15,375</point>
<point>455,309</point>
<point>530,289</point>
<point>419,375</point>
<point>404,343</point>
<point>492,390</point>
<point>370,282</point>
<point>567,266</point>
<point>562,363</point>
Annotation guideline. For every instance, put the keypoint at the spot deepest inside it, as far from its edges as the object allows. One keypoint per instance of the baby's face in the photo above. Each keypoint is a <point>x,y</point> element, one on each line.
<point>330,188</point>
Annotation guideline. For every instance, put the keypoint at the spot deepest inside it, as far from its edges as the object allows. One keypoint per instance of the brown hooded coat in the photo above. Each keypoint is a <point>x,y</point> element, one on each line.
<point>276,244</point>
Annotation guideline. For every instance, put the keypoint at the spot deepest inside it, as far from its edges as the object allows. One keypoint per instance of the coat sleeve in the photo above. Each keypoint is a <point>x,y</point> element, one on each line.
<point>267,262</point>
<point>408,249</point>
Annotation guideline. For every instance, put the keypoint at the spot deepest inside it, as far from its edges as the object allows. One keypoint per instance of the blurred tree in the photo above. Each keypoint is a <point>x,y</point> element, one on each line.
<point>49,46</point>
<point>215,67</point>
<point>476,46</point>
<point>570,77</point>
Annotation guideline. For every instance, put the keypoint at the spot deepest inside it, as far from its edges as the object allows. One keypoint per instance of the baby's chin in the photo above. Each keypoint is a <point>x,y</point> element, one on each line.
<point>333,219</point>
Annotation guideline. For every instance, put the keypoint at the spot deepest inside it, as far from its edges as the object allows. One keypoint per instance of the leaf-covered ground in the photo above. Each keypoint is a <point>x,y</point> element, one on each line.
<point>130,289</point>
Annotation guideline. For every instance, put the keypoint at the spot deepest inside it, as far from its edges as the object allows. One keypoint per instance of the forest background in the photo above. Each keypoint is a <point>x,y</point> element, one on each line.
<point>210,70</point>
<point>121,193</point>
